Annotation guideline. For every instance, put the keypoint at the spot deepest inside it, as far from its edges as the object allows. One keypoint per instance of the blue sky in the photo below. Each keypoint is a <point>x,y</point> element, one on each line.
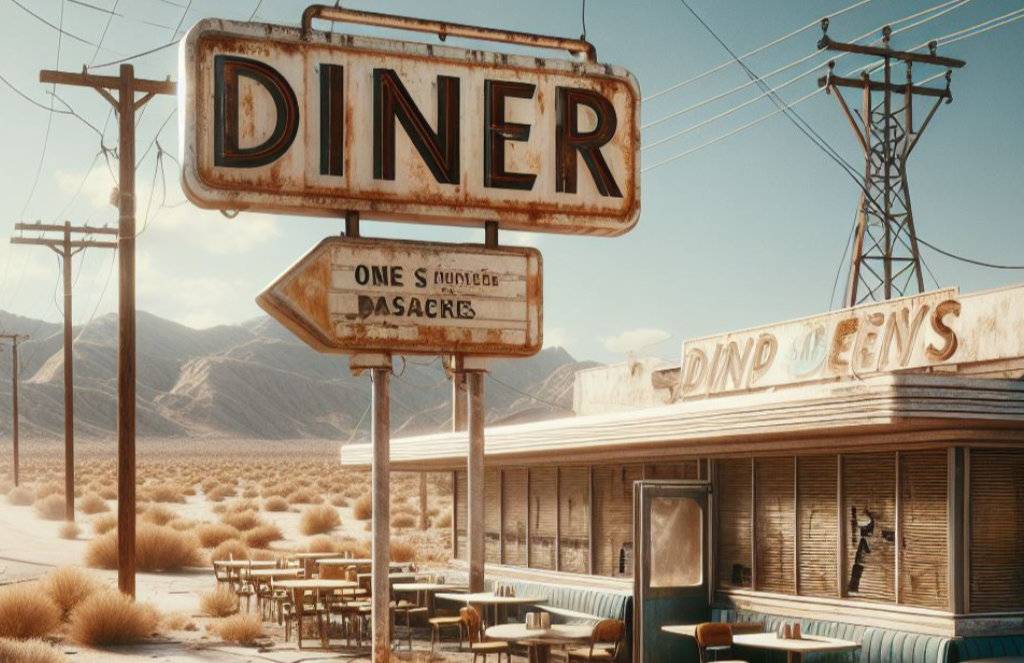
<point>745,231</point>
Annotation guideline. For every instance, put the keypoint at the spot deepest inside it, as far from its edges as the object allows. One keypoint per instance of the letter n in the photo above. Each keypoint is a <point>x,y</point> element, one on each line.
<point>440,149</point>
<point>227,149</point>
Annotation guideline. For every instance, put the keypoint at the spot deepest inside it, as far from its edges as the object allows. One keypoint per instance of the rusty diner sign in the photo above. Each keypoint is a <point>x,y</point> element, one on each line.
<point>351,295</point>
<point>294,120</point>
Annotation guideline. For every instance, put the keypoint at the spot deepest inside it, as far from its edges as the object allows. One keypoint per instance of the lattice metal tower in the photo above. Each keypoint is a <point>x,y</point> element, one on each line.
<point>885,260</point>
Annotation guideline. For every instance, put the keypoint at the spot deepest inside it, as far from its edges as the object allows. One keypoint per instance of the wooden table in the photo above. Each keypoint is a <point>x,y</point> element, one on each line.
<point>691,629</point>
<point>794,648</point>
<point>293,572</point>
<point>539,640</point>
<point>488,599</point>
<point>234,567</point>
<point>299,589</point>
<point>428,590</point>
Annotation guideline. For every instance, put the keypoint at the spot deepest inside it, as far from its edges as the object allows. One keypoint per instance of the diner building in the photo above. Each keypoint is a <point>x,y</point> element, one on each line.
<point>861,471</point>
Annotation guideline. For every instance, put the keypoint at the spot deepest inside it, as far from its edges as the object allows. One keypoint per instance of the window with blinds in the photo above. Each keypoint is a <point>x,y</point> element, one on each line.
<point>613,522</point>
<point>543,516</point>
<point>461,515</point>
<point>574,519</point>
<point>869,508</point>
<point>996,530</point>
<point>492,516</point>
<point>513,527</point>
<point>817,533</point>
<point>734,523</point>
<point>774,524</point>
<point>924,529</point>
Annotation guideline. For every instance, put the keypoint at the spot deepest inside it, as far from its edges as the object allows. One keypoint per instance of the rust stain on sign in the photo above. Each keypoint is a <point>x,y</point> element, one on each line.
<point>309,123</point>
<point>351,295</point>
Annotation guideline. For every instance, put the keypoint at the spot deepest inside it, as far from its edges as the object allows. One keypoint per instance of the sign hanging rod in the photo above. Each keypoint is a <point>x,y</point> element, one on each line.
<point>443,29</point>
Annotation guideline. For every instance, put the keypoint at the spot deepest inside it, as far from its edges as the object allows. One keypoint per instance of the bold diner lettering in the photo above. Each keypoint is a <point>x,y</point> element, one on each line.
<point>498,130</point>
<point>569,140</point>
<point>332,119</point>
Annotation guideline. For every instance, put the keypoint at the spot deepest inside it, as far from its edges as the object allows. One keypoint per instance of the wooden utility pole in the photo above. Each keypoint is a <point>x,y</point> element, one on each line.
<point>125,104</point>
<point>66,247</point>
<point>15,339</point>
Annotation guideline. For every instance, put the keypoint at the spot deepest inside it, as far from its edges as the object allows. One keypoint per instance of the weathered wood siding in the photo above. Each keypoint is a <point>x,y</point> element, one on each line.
<point>817,529</point>
<point>996,530</point>
<point>574,519</point>
<point>543,516</point>
<point>513,527</point>
<point>461,514</point>
<point>924,529</point>
<point>774,532</point>
<point>735,523</point>
<point>492,516</point>
<point>869,507</point>
<point>613,521</point>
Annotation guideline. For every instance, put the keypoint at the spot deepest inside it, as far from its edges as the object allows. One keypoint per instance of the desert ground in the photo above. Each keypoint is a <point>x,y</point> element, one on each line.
<point>196,501</point>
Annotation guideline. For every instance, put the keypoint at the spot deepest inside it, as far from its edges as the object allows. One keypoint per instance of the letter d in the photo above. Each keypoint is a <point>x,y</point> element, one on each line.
<point>227,150</point>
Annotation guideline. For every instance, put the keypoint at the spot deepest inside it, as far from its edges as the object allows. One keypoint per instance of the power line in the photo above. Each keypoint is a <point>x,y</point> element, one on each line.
<point>136,55</point>
<point>103,35</point>
<point>530,396</point>
<point>28,98</point>
<point>59,28</point>
<point>972,261</point>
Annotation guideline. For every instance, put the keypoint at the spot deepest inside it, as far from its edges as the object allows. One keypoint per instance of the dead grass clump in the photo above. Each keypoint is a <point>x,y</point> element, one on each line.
<point>69,530</point>
<point>359,549</point>
<point>322,543</point>
<point>111,618</point>
<point>156,549</point>
<point>362,509</point>
<point>158,515</point>
<point>242,520</point>
<point>178,621</point>
<point>213,534</point>
<point>25,612</point>
<point>319,519</point>
<point>165,492</point>
<point>20,496</point>
<point>241,629</point>
<point>401,551</point>
<point>182,525</point>
<point>275,503</point>
<point>444,520</point>
<point>67,586</point>
<point>92,503</point>
<point>29,651</point>
<point>403,521</point>
<point>230,549</point>
<point>44,490</point>
<point>50,507</point>
<point>218,493</point>
<point>304,496</point>
<point>262,536</point>
<point>339,500</point>
<point>104,523</point>
<point>221,602</point>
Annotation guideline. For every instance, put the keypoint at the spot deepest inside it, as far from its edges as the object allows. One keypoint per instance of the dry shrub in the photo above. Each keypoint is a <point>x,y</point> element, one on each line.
<point>156,549</point>
<point>29,651</point>
<point>322,543</point>
<point>214,534</point>
<point>265,555</point>
<point>218,493</point>
<point>67,586</point>
<point>44,490</point>
<point>182,525</point>
<point>103,524</point>
<point>158,515</point>
<point>109,618</point>
<point>230,549</point>
<point>165,492</point>
<point>319,519</point>
<point>69,530</point>
<point>239,506</point>
<point>107,492</point>
<point>242,629</point>
<point>304,496</point>
<point>92,503</point>
<point>354,548</point>
<point>50,507</point>
<point>26,612</point>
<point>275,503</point>
<point>403,520</point>
<point>402,551</point>
<point>444,520</point>
<point>263,535</point>
<point>250,492</point>
<point>242,520</point>
<point>221,602</point>
<point>178,621</point>
<point>339,500</point>
<point>20,496</point>
<point>362,509</point>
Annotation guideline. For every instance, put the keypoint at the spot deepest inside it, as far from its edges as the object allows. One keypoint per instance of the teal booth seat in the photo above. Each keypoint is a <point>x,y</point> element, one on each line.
<point>990,646</point>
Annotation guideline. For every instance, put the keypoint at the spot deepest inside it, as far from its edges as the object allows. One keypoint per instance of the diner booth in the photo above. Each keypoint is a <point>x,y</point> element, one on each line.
<point>859,472</point>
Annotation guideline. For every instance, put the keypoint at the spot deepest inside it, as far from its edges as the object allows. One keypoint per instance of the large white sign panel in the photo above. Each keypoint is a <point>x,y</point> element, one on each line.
<point>320,123</point>
<point>934,329</point>
<point>352,295</point>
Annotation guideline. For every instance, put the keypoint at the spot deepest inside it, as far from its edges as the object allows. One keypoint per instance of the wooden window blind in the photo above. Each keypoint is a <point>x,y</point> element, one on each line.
<point>923,545</point>
<point>684,470</point>
<point>996,530</point>
<point>461,515</point>
<point>513,489</point>
<point>613,519</point>
<point>773,524</point>
<point>869,509</point>
<point>734,522</point>
<point>492,516</point>
<point>817,483</point>
<point>574,519</point>
<point>543,516</point>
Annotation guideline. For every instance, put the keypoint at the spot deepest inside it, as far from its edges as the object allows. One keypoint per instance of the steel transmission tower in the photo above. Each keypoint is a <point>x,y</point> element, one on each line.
<point>885,260</point>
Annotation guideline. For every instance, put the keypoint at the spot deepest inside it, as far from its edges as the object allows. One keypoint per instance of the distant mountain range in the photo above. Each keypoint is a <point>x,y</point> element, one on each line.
<point>253,380</point>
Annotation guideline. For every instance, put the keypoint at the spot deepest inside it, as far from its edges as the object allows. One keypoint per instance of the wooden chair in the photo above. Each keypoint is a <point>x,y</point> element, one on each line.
<point>241,584</point>
<point>303,604</point>
<point>716,637</point>
<point>472,623</point>
<point>438,623</point>
<point>403,608</point>
<point>605,642</point>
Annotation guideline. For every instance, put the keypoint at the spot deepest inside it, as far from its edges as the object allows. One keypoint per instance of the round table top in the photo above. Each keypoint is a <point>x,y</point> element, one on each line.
<point>488,597</point>
<point>316,583</point>
<point>803,644</point>
<point>245,563</point>
<point>556,633</point>
<point>425,586</point>
<point>334,560</point>
<point>276,573</point>
<point>316,555</point>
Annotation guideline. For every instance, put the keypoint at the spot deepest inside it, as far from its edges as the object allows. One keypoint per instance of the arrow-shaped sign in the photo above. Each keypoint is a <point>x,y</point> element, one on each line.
<point>353,295</point>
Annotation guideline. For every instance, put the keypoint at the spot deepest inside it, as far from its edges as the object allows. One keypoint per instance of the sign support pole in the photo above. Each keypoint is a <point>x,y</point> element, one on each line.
<point>475,480</point>
<point>15,339</point>
<point>381,509</point>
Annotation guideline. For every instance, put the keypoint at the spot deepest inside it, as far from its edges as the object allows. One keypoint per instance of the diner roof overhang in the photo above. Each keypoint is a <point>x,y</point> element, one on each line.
<point>889,411</point>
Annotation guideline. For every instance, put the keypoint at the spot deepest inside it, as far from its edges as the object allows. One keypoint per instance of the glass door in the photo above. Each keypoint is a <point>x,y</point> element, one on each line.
<point>671,524</point>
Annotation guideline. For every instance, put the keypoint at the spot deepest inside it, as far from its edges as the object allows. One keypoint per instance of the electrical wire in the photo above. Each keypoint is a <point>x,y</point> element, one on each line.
<point>530,396</point>
<point>135,56</point>
<point>28,98</point>
<point>184,13</point>
<point>59,28</point>
<point>971,261</point>
<point>103,35</point>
